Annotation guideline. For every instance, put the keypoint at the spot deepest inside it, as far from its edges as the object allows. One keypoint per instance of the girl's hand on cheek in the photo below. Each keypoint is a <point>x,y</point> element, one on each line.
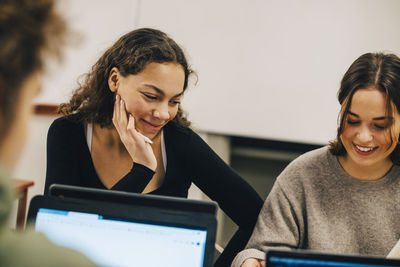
<point>140,151</point>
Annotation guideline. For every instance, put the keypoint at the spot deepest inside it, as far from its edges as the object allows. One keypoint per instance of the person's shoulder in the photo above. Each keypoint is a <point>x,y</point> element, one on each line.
<point>312,157</point>
<point>65,126</point>
<point>183,138</point>
<point>176,131</point>
<point>307,166</point>
<point>65,122</point>
<point>173,126</point>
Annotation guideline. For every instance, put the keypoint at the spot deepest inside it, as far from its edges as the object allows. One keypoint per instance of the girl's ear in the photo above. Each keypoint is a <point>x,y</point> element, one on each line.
<point>113,79</point>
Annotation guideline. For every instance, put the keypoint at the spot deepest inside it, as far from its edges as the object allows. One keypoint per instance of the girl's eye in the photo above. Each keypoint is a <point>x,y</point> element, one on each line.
<point>151,97</point>
<point>380,127</point>
<point>175,102</point>
<point>386,124</point>
<point>351,122</point>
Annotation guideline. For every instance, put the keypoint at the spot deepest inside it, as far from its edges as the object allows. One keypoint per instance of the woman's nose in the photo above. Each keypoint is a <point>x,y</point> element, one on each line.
<point>365,135</point>
<point>161,112</point>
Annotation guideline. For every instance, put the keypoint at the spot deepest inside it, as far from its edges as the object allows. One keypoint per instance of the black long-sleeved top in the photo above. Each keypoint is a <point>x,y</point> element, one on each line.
<point>189,159</point>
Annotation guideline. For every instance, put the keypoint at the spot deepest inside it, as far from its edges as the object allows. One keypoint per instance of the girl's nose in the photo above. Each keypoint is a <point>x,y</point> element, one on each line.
<point>161,112</point>
<point>365,135</point>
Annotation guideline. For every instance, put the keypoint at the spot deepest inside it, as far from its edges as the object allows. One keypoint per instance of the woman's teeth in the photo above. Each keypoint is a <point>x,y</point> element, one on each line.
<point>364,149</point>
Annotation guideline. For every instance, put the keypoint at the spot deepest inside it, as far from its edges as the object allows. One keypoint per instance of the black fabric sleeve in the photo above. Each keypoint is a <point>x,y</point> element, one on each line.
<point>136,180</point>
<point>62,164</point>
<point>233,194</point>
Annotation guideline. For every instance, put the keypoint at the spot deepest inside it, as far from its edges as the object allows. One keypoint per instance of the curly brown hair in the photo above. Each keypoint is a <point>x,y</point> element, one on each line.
<point>29,32</point>
<point>93,99</point>
<point>378,70</point>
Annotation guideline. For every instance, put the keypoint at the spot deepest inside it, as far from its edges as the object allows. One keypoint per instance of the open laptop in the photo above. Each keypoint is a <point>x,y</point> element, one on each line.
<point>300,258</point>
<point>124,229</point>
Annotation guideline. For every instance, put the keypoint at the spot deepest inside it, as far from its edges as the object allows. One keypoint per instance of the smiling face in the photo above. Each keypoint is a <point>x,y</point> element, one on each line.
<point>367,133</point>
<point>152,96</point>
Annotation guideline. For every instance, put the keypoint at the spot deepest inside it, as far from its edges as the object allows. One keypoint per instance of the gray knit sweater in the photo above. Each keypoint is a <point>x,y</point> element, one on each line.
<point>314,204</point>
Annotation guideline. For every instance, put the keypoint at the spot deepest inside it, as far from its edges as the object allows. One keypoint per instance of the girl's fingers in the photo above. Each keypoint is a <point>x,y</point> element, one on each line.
<point>133,132</point>
<point>115,109</point>
<point>131,126</point>
<point>140,151</point>
<point>123,118</point>
<point>116,112</point>
<point>120,116</point>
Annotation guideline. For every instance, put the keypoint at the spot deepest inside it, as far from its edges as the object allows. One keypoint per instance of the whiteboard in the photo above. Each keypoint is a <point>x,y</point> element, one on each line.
<point>271,68</point>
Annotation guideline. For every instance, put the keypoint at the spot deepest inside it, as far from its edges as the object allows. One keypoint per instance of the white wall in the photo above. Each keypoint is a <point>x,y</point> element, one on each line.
<point>267,68</point>
<point>95,25</point>
<point>271,68</point>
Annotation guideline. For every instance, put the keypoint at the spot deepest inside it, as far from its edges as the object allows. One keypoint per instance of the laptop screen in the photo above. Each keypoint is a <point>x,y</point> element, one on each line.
<point>300,258</point>
<point>120,242</point>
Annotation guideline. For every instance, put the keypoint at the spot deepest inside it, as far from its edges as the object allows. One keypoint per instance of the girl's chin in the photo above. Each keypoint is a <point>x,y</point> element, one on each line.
<point>150,128</point>
<point>150,135</point>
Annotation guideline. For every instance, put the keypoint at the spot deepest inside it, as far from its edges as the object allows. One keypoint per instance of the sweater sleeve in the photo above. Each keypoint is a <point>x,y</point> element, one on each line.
<point>136,180</point>
<point>223,185</point>
<point>279,226</point>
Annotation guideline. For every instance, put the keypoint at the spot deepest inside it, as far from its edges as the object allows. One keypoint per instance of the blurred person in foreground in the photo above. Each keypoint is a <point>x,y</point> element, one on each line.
<point>29,31</point>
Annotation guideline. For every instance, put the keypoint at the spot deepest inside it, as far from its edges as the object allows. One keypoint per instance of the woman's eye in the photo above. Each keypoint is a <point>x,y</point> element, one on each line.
<point>175,102</point>
<point>352,122</point>
<point>380,127</point>
<point>151,97</point>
